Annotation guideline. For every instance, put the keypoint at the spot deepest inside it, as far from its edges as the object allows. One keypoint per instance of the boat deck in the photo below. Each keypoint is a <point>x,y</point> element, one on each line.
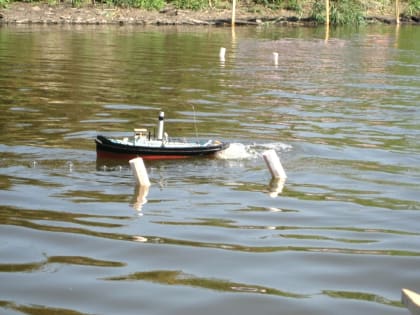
<point>162,143</point>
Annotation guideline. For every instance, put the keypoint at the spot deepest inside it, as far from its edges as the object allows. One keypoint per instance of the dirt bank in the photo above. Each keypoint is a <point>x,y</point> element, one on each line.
<point>42,13</point>
<point>64,13</point>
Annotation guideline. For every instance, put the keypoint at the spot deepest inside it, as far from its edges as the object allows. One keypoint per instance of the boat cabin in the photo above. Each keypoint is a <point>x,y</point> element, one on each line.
<point>140,134</point>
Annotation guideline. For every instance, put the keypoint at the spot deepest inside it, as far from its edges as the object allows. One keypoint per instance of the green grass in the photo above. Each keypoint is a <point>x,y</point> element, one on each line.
<point>342,12</point>
<point>413,8</point>
<point>191,4</point>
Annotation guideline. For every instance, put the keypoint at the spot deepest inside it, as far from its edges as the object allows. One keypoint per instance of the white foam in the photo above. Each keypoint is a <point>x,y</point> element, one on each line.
<point>236,151</point>
<point>240,151</point>
<point>277,146</point>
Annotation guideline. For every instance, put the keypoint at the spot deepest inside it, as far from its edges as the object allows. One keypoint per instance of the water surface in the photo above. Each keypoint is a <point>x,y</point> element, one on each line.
<point>215,235</point>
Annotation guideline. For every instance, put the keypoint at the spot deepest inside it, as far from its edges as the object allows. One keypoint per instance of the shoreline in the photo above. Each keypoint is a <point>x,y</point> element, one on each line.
<point>65,14</point>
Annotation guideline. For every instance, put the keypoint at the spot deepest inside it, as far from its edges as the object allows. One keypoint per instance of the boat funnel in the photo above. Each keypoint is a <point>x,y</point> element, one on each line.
<point>160,127</point>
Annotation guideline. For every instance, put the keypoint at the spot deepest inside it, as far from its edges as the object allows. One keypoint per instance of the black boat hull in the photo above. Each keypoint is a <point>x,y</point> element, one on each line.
<point>108,149</point>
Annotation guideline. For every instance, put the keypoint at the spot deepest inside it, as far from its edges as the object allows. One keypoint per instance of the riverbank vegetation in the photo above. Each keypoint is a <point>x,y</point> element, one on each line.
<point>340,11</point>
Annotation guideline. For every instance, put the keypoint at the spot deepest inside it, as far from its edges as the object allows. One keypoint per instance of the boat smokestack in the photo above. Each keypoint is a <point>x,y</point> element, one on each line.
<point>160,127</point>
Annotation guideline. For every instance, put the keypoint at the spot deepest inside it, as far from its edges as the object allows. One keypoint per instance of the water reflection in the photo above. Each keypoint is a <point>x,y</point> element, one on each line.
<point>38,309</point>
<point>109,165</point>
<point>170,277</point>
<point>362,296</point>
<point>68,260</point>
<point>44,220</point>
<point>22,219</point>
<point>139,196</point>
<point>276,186</point>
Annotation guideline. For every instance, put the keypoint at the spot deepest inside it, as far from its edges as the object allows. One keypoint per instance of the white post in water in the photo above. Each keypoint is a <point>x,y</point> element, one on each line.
<point>276,58</point>
<point>411,300</point>
<point>160,127</point>
<point>274,165</point>
<point>139,171</point>
<point>222,53</point>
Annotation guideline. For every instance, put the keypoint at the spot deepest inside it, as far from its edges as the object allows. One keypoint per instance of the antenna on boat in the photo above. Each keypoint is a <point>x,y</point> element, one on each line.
<point>195,123</point>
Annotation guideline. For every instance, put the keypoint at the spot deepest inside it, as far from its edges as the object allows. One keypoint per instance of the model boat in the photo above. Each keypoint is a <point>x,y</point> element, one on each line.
<point>143,145</point>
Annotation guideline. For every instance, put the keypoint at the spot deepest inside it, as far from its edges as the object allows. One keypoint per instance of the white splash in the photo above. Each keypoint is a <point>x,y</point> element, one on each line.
<point>236,151</point>
<point>277,146</point>
<point>240,151</point>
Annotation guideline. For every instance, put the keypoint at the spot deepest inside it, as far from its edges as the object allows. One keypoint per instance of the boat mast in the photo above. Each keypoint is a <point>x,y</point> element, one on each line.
<point>160,126</point>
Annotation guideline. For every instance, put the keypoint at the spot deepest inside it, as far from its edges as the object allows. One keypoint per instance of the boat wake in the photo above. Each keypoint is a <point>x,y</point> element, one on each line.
<point>240,151</point>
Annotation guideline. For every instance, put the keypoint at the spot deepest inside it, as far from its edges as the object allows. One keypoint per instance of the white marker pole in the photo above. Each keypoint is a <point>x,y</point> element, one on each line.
<point>139,171</point>
<point>276,58</point>
<point>222,53</point>
<point>160,126</point>
<point>411,300</point>
<point>274,165</point>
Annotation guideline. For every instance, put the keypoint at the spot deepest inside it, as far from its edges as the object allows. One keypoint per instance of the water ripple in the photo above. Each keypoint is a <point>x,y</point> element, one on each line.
<point>170,277</point>
<point>67,260</point>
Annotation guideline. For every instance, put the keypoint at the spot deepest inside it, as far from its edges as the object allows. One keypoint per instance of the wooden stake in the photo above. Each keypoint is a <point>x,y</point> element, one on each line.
<point>327,12</point>
<point>222,53</point>
<point>397,11</point>
<point>411,300</point>
<point>274,165</point>
<point>233,13</point>
<point>276,58</point>
<point>139,171</point>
